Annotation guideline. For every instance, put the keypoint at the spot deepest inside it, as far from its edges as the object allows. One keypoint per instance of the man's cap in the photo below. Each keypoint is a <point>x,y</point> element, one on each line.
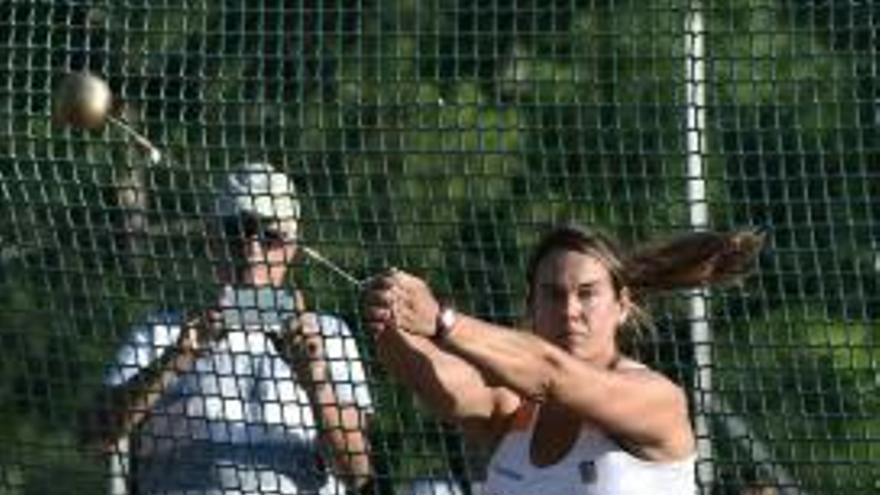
<point>257,189</point>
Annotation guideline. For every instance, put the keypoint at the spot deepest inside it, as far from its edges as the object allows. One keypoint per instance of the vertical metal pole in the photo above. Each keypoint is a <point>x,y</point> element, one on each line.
<point>701,333</point>
<point>118,464</point>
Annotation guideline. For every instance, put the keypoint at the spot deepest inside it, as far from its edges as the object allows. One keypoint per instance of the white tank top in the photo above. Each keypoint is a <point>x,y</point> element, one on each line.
<point>595,465</point>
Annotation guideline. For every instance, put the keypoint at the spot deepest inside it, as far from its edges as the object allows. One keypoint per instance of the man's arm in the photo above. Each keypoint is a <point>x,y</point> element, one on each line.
<point>342,425</point>
<point>118,409</point>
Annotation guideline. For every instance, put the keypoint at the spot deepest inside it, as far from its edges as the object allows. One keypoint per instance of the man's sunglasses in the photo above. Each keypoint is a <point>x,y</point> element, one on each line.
<point>243,228</point>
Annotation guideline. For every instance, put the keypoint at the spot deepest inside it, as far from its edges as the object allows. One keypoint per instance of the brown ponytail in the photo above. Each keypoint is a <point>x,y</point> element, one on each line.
<point>685,261</point>
<point>692,260</point>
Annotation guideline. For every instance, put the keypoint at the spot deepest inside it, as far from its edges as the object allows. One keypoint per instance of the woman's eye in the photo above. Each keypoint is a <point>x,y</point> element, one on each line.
<point>587,295</point>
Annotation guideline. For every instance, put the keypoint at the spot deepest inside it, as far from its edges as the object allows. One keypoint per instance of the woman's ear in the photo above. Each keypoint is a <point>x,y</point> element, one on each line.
<point>625,300</point>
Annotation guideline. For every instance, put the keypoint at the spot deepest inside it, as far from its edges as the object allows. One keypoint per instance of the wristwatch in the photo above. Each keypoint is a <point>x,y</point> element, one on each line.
<point>446,320</point>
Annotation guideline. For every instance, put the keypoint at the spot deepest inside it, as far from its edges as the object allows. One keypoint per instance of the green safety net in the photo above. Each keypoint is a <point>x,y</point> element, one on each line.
<point>443,137</point>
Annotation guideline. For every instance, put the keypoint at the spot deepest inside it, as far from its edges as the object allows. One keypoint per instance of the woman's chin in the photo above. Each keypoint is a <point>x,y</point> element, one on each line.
<point>574,343</point>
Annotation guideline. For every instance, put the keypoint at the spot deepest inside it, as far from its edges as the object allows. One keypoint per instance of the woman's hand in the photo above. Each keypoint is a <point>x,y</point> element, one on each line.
<point>399,300</point>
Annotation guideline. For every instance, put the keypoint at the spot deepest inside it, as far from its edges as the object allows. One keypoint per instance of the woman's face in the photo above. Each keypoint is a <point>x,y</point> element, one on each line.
<point>575,306</point>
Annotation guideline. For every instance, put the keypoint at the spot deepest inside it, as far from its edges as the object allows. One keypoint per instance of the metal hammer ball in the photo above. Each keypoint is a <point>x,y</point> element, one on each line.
<point>82,100</point>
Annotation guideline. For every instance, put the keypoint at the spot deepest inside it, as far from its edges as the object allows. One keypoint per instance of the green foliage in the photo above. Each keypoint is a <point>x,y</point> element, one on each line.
<point>35,462</point>
<point>808,387</point>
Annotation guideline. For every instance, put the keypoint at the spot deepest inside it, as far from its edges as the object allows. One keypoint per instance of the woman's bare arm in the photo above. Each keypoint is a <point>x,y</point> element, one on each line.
<point>637,406</point>
<point>448,385</point>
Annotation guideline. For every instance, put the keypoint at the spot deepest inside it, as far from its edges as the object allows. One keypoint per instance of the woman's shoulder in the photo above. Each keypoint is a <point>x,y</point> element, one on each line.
<point>630,364</point>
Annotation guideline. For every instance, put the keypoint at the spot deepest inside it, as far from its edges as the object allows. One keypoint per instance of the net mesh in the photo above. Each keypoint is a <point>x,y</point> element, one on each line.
<point>442,137</point>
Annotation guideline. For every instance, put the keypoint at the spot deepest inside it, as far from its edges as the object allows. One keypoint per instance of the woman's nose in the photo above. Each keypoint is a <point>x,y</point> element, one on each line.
<point>573,306</point>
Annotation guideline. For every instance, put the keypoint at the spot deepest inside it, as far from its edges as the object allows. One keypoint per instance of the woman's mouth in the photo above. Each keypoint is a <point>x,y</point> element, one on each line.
<point>573,336</point>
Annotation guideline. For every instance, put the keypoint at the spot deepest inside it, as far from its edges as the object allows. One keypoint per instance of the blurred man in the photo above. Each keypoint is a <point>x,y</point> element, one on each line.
<point>253,395</point>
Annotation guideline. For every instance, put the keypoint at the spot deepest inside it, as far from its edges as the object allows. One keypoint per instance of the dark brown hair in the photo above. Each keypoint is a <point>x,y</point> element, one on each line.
<point>573,238</point>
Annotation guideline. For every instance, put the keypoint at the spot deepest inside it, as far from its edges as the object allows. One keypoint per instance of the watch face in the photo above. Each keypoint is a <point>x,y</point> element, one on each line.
<point>447,318</point>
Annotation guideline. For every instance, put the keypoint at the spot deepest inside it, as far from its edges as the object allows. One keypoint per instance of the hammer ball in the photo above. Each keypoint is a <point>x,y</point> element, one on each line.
<point>82,100</point>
